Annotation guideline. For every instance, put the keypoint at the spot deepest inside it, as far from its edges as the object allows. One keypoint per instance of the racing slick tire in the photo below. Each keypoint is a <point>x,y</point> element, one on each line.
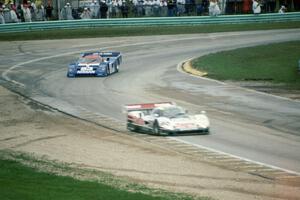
<point>206,131</point>
<point>70,76</point>
<point>107,71</point>
<point>156,129</point>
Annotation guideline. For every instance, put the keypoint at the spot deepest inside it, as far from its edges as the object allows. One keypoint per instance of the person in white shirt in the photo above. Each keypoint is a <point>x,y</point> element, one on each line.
<point>32,8</point>
<point>282,9</point>
<point>256,7</point>
<point>214,9</point>
<point>148,8</point>
<point>156,8</point>
<point>27,13</point>
<point>86,14</point>
<point>13,14</point>
<point>94,9</point>
<point>69,12</point>
<point>164,8</point>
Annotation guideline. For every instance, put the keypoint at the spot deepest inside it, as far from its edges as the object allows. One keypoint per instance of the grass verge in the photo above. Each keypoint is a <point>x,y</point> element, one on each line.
<point>274,63</point>
<point>24,177</point>
<point>141,31</point>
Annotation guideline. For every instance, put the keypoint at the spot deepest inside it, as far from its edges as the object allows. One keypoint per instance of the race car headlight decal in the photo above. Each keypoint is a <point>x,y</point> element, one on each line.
<point>167,125</point>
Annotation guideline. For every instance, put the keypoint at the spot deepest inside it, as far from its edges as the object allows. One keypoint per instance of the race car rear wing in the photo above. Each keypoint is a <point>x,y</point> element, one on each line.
<point>146,106</point>
<point>109,54</point>
<point>102,54</point>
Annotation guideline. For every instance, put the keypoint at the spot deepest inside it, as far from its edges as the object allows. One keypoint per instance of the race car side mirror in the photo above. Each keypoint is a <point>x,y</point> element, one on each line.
<point>140,115</point>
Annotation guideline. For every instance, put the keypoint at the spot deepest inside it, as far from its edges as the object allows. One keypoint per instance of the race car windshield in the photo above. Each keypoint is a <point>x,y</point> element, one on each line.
<point>173,112</point>
<point>88,60</point>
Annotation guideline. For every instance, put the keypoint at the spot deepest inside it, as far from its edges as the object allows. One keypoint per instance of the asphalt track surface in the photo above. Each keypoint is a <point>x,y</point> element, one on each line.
<point>244,123</point>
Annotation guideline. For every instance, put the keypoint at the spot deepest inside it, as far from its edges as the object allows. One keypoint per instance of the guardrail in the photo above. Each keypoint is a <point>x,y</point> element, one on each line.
<point>153,21</point>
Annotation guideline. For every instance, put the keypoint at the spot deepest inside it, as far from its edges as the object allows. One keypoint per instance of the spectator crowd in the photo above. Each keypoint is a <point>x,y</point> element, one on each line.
<point>36,10</point>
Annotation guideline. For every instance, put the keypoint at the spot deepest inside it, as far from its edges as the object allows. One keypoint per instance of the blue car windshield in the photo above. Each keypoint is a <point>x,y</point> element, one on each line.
<point>88,60</point>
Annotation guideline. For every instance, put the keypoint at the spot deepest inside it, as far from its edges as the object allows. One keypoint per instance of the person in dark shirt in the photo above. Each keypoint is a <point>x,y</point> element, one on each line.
<point>49,9</point>
<point>103,9</point>
<point>171,7</point>
<point>124,9</point>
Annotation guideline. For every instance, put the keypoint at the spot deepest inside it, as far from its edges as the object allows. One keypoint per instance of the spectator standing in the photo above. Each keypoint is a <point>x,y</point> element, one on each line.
<point>113,9</point>
<point>246,6</point>
<point>282,10</point>
<point>2,20</point>
<point>214,9</point>
<point>171,8</point>
<point>49,10</point>
<point>140,8</point>
<point>119,8</point>
<point>188,7</point>
<point>86,14</point>
<point>256,7</point>
<point>147,8</point>
<point>66,12</point>
<point>69,12</point>
<point>13,6</point>
<point>32,8</point>
<point>109,5</point>
<point>205,4</point>
<point>20,13</point>
<point>199,7</point>
<point>63,13</point>
<point>163,8</point>
<point>222,6</point>
<point>124,9</point>
<point>13,13</point>
<point>134,7</point>
<point>156,8</point>
<point>180,7</point>
<point>26,13</point>
<point>94,8</point>
<point>6,14</point>
<point>103,9</point>
<point>40,13</point>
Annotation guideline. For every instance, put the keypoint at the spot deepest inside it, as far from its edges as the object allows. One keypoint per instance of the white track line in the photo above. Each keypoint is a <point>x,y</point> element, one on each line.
<point>234,156</point>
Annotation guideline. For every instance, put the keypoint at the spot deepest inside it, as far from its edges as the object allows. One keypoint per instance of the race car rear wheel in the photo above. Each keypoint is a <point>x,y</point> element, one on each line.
<point>156,128</point>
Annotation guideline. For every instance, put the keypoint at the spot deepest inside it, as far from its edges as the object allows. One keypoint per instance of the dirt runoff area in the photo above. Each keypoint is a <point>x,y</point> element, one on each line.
<point>29,128</point>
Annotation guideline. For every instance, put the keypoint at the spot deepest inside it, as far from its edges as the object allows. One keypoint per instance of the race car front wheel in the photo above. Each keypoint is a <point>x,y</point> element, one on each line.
<point>156,128</point>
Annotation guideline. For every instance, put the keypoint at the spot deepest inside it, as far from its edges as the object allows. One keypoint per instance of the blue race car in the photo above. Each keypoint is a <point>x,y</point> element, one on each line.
<point>95,64</point>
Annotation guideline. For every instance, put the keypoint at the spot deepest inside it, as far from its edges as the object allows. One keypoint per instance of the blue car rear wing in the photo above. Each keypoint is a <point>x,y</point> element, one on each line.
<point>102,54</point>
<point>109,54</point>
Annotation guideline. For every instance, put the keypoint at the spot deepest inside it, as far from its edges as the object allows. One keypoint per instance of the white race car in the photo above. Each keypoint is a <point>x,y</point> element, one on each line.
<point>165,118</point>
